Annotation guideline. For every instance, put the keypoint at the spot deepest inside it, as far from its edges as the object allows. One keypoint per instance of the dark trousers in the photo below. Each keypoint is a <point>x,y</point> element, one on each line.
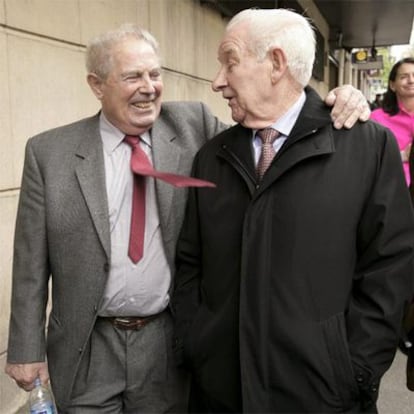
<point>200,402</point>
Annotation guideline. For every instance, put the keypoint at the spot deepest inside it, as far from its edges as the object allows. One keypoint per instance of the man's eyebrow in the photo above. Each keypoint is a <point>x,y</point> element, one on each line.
<point>228,49</point>
<point>227,52</point>
<point>141,71</point>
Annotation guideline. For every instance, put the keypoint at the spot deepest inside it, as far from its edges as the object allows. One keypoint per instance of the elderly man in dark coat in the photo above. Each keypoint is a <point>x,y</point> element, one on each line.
<point>292,278</point>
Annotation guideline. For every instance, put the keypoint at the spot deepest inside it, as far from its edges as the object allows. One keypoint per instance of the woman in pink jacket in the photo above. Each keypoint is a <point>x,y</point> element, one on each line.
<point>397,112</point>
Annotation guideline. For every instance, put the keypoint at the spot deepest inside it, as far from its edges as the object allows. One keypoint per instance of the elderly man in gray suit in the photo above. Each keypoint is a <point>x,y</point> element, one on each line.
<point>108,346</point>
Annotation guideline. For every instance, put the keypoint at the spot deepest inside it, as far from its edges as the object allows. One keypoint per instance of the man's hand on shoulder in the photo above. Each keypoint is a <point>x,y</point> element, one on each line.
<point>349,106</point>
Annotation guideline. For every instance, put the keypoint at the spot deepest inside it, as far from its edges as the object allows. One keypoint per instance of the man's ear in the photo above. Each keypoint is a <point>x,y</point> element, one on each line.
<point>95,83</point>
<point>279,63</point>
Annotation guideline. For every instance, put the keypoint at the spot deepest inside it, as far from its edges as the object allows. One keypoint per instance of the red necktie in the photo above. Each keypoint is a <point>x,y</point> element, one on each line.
<point>268,137</point>
<point>141,166</point>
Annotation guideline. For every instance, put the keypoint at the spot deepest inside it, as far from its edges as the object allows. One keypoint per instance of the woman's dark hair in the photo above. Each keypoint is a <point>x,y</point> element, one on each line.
<point>389,103</point>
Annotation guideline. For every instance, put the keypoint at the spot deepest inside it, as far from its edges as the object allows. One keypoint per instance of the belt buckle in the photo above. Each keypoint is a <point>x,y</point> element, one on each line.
<point>131,323</point>
<point>125,323</point>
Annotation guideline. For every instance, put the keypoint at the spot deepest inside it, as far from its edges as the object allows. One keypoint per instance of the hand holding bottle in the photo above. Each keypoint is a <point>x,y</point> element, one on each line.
<point>41,399</point>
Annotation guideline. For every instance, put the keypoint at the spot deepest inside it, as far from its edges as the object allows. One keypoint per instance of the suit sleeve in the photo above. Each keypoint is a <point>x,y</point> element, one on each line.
<point>212,125</point>
<point>384,276</point>
<point>30,269</point>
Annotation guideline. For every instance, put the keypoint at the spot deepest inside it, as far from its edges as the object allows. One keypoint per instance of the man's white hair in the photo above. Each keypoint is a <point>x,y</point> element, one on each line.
<point>99,59</point>
<point>284,29</point>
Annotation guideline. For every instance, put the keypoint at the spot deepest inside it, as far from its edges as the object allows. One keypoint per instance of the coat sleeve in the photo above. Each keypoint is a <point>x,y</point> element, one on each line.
<point>30,268</point>
<point>186,296</point>
<point>384,275</point>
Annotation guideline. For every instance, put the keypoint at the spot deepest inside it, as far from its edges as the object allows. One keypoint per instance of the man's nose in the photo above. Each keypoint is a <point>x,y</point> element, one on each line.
<point>219,81</point>
<point>146,84</point>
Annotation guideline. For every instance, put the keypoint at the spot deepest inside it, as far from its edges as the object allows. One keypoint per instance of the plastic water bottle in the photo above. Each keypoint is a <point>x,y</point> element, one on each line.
<point>41,400</point>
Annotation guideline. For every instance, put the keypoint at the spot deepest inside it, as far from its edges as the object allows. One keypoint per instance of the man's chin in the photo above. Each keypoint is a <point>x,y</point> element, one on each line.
<point>144,122</point>
<point>237,117</point>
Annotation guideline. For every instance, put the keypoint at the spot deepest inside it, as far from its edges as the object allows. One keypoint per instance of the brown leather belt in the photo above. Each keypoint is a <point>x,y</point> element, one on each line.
<point>130,322</point>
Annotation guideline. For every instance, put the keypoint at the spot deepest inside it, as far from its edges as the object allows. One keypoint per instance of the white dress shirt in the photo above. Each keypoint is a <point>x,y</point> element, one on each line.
<point>132,289</point>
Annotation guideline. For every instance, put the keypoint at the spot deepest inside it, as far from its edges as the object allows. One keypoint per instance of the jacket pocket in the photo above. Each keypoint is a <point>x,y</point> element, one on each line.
<point>336,341</point>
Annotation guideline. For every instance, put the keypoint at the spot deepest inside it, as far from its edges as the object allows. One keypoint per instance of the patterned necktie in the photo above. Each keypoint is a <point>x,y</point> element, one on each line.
<point>142,167</point>
<point>268,137</point>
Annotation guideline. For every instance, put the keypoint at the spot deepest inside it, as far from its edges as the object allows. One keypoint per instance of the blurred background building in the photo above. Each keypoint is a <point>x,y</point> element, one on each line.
<point>43,82</point>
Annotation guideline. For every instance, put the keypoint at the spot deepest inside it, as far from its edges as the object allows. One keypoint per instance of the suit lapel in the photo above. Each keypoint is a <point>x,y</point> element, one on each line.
<point>90,172</point>
<point>166,156</point>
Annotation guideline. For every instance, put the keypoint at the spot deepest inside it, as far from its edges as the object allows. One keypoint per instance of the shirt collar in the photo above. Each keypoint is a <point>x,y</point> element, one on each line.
<point>112,137</point>
<point>287,121</point>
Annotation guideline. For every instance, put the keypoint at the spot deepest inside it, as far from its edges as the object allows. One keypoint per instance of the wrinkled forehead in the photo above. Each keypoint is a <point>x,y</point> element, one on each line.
<point>131,49</point>
<point>134,45</point>
<point>235,43</point>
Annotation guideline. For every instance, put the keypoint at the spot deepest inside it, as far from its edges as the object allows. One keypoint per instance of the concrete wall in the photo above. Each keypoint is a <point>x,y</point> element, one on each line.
<point>42,85</point>
<point>313,13</point>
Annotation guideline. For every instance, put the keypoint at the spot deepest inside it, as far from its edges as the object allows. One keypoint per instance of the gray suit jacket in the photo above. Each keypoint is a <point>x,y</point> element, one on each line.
<point>62,230</point>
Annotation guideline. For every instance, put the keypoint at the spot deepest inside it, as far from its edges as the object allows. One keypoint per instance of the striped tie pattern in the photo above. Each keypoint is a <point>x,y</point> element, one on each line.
<point>268,137</point>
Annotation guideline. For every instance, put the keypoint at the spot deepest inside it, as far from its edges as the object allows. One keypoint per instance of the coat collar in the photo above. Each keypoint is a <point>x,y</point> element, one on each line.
<point>310,137</point>
<point>303,142</point>
<point>313,116</point>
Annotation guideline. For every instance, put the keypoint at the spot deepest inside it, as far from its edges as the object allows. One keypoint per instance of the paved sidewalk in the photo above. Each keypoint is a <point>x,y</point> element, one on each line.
<point>394,397</point>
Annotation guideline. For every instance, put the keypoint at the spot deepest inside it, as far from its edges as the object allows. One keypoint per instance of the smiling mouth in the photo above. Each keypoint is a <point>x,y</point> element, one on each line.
<point>143,105</point>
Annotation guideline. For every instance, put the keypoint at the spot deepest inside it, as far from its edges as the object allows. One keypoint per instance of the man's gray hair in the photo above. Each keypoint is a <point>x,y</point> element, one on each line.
<point>284,29</point>
<point>99,58</point>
